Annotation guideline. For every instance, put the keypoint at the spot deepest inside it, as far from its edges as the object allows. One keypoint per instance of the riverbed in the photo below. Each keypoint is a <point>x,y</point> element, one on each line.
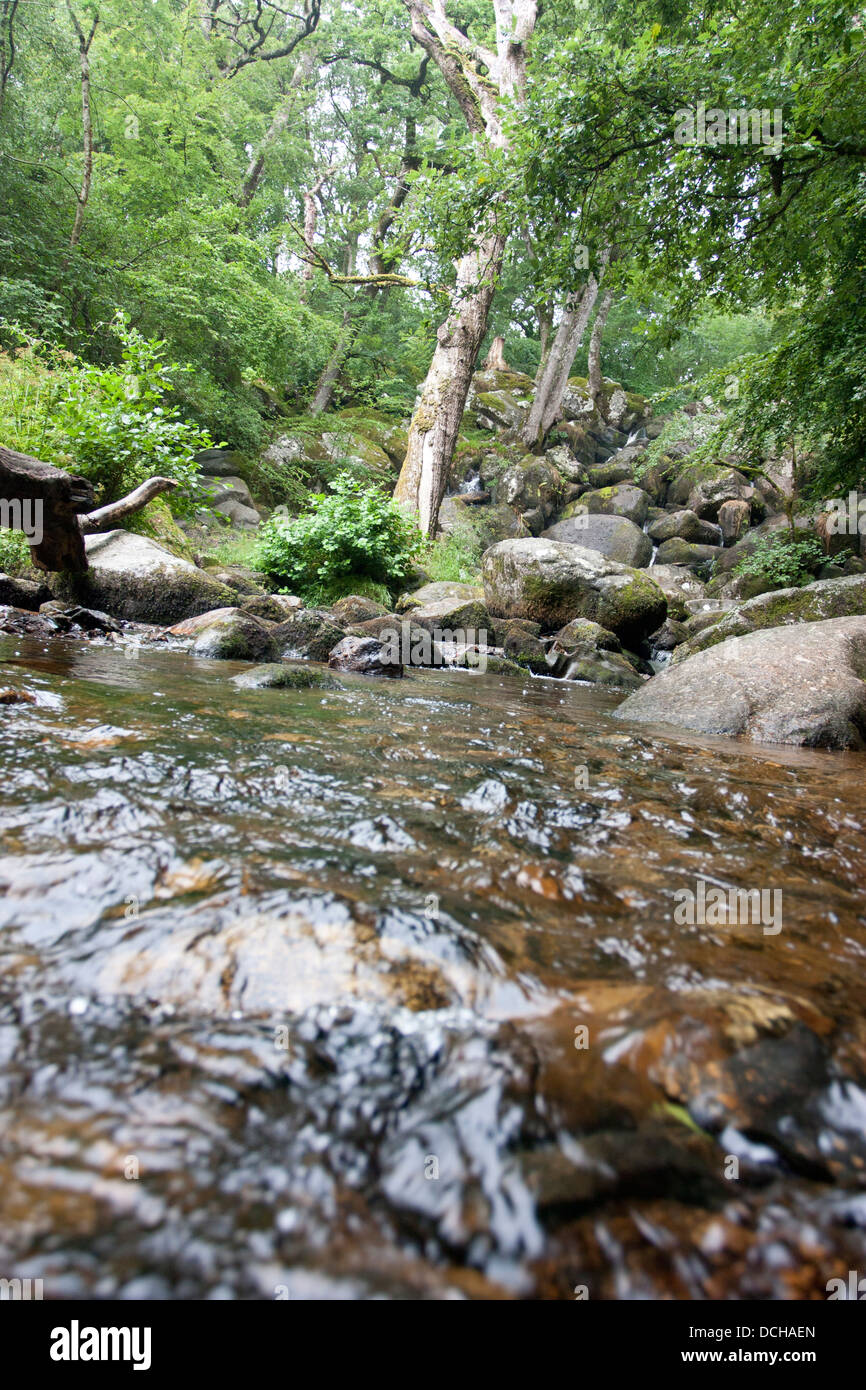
<point>383,992</point>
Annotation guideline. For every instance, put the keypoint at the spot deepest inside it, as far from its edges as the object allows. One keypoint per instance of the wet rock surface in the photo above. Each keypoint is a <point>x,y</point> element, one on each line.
<point>803,684</point>
<point>386,997</point>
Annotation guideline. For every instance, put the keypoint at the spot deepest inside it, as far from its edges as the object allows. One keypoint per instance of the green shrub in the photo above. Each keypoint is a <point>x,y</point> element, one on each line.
<point>352,530</point>
<point>115,428</point>
<point>786,559</point>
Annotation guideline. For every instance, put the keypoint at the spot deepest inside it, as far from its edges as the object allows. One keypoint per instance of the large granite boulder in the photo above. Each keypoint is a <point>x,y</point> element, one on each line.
<point>137,579</point>
<point>687,526</point>
<point>615,537</point>
<point>622,499</point>
<point>814,603</point>
<point>804,684</point>
<point>551,582</point>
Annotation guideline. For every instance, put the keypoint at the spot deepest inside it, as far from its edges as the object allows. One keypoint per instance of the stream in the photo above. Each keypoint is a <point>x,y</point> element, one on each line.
<point>381,993</point>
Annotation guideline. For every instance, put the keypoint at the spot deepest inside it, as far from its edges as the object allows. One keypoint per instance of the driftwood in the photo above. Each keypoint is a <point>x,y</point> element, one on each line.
<point>47,503</point>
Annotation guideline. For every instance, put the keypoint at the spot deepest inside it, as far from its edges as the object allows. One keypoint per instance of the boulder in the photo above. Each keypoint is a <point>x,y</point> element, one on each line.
<point>526,651</point>
<point>217,463</point>
<point>551,582</point>
<point>686,526</point>
<point>487,523</point>
<point>356,609</point>
<point>137,579</point>
<point>23,593</point>
<point>365,656</point>
<point>804,684</point>
<point>566,463</point>
<point>232,498</point>
<point>622,499</point>
<point>273,608</point>
<point>681,588</point>
<point>814,603</point>
<point>612,536</point>
<point>234,636</point>
<point>734,520</point>
<point>619,468</point>
<point>603,668</point>
<point>310,633</point>
<point>698,558</point>
<point>533,489</point>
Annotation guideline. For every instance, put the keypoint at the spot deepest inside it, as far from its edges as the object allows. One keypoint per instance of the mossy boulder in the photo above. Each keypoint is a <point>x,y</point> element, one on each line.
<point>607,669</point>
<point>533,489</point>
<point>311,633</point>
<point>526,651</point>
<point>700,559</point>
<point>135,578</point>
<point>157,523</point>
<point>684,525</point>
<point>615,537</point>
<point>551,583</point>
<point>235,636</point>
<point>618,499</point>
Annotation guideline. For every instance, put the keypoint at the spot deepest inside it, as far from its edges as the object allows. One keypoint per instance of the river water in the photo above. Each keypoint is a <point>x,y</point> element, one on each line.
<point>383,992</point>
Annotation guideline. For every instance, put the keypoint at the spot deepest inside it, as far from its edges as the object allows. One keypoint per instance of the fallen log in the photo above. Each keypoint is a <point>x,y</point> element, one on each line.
<point>51,508</point>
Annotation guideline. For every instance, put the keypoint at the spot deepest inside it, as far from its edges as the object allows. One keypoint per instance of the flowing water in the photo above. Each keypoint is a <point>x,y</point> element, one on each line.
<point>381,992</point>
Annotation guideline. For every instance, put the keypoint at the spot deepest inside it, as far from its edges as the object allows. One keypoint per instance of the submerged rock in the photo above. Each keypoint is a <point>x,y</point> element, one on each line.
<point>281,676</point>
<point>804,685</point>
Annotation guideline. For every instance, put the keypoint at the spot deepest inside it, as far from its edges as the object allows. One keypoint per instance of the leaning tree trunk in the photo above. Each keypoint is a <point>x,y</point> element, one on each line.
<point>480,81</point>
<point>436,420</point>
<point>86,121</point>
<point>596,380</point>
<point>549,392</point>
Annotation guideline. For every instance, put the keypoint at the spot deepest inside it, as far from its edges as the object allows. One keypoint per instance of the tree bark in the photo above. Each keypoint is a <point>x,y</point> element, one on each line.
<point>436,420</point>
<point>114,512</point>
<point>596,379</point>
<point>553,378</point>
<point>87,123</point>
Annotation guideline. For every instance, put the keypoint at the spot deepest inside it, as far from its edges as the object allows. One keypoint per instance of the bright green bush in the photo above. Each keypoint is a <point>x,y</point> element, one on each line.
<point>352,530</point>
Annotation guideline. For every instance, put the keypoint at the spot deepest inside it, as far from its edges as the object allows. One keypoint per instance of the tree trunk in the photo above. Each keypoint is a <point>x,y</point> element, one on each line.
<point>436,420</point>
<point>479,81</point>
<point>54,500</point>
<point>87,123</point>
<point>545,328</point>
<point>281,118</point>
<point>110,515</point>
<point>596,380</point>
<point>553,379</point>
<point>330,376</point>
<point>495,359</point>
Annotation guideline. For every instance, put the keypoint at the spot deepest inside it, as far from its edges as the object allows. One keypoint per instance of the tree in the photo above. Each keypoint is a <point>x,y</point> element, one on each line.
<point>482,82</point>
